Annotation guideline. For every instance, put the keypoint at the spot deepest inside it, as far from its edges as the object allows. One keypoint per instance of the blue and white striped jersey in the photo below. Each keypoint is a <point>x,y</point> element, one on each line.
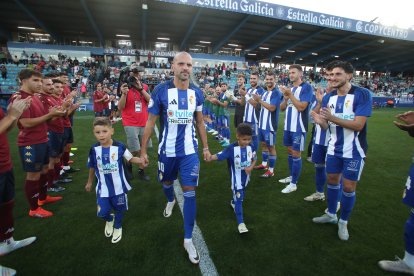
<point>345,142</point>
<point>177,110</point>
<point>109,170</point>
<point>250,114</point>
<point>238,159</point>
<point>296,121</point>
<point>269,120</point>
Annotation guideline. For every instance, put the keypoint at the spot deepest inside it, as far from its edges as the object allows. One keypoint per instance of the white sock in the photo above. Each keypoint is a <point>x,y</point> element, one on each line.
<point>343,221</point>
<point>271,170</point>
<point>409,259</point>
<point>188,240</point>
<point>264,163</point>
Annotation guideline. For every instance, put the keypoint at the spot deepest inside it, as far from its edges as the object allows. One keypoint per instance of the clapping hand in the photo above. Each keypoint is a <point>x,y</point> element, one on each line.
<point>18,106</point>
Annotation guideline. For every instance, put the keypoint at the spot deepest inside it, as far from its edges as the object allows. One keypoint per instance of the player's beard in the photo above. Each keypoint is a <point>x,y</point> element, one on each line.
<point>183,77</point>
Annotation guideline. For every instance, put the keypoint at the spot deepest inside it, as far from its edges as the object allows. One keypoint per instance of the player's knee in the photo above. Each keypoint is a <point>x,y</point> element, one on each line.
<point>239,196</point>
<point>188,188</point>
<point>102,212</point>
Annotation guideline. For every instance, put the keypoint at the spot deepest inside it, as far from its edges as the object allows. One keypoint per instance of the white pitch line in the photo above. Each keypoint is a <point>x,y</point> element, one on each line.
<point>206,264</point>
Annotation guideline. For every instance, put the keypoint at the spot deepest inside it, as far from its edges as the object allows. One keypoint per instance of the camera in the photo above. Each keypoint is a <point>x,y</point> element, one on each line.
<point>126,76</point>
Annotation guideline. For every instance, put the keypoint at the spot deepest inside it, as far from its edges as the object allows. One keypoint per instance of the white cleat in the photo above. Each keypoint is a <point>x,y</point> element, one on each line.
<point>396,266</point>
<point>192,252</point>
<point>338,206</point>
<point>168,209</point>
<point>232,205</point>
<point>289,189</point>
<point>10,245</point>
<point>315,196</point>
<point>214,133</point>
<point>109,227</point>
<point>326,218</point>
<point>6,271</point>
<point>242,228</point>
<point>285,180</point>
<point>343,233</point>
<point>117,235</point>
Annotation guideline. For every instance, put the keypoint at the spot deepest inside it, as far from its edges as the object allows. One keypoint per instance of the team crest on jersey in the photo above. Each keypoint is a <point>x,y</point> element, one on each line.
<point>191,99</point>
<point>347,103</point>
<point>353,165</point>
<point>113,156</point>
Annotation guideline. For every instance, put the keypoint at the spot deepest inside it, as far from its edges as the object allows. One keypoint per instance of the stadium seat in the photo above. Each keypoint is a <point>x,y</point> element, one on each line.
<point>82,107</point>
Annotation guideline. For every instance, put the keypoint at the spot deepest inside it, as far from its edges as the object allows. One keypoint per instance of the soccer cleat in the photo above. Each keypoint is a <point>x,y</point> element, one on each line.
<point>117,235</point>
<point>326,218</point>
<point>285,180</point>
<point>261,167</point>
<point>214,133</point>
<point>10,245</point>
<point>70,155</point>
<point>396,266</point>
<point>242,228</point>
<point>225,144</point>
<point>315,196</point>
<point>211,130</point>
<point>192,252</point>
<point>109,227</point>
<point>48,199</point>
<point>343,233</point>
<point>309,159</point>
<point>267,174</point>
<point>55,189</point>
<point>289,188</point>
<point>338,206</point>
<point>40,213</point>
<point>6,271</point>
<point>65,175</point>
<point>168,209</point>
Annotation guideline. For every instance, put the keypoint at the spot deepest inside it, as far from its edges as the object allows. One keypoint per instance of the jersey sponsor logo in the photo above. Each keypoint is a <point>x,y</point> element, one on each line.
<point>349,117</point>
<point>180,117</point>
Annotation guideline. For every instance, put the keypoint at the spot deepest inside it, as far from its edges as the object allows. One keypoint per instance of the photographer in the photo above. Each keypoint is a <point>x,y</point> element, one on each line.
<point>133,104</point>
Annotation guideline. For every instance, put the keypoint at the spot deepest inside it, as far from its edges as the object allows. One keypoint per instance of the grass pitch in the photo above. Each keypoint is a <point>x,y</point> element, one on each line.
<point>282,238</point>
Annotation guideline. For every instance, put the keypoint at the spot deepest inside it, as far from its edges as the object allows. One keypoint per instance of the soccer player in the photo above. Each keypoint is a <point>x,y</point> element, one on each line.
<point>344,112</point>
<point>32,141</point>
<point>222,102</point>
<point>269,102</point>
<point>105,162</point>
<point>241,157</point>
<point>406,265</point>
<point>319,148</point>
<point>7,190</point>
<point>239,109</point>
<point>251,114</point>
<point>98,100</point>
<point>296,103</point>
<point>180,106</point>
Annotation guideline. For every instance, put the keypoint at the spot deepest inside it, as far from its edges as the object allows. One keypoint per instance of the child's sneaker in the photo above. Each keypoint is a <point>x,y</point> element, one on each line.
<point>109,227</point>
<point>242,228</point>
<point>117,235</point>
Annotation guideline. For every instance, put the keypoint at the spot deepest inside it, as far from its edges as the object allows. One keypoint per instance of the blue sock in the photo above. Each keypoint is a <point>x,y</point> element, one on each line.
<point>255,140</point>
<point>332,194</point>
<point>296,169</point>
<point>189,213</point>
<point>169,192</point>
<point>272,162</point>
<point>118,219</point>
<point>290,161</point>
<point>341,183</point>
<point>265,156</point>
<point>320,177</point>
<point>347,204</point>
<point>409,234</point>
<point>228,133</point>
<point>238,208</point>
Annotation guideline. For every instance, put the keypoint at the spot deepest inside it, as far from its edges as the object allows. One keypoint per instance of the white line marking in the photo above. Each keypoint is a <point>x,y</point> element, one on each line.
<point>206,265</point>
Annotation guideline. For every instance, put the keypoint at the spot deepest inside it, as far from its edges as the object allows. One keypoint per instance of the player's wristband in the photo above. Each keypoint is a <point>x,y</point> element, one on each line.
<point>205,149</point>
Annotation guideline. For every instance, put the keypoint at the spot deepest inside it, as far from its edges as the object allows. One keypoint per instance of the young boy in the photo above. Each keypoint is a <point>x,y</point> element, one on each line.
<point>106,163</point>
<point>241,157</point>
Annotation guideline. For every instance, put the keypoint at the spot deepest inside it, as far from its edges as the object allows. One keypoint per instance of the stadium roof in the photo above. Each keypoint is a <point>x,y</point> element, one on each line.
<point>187,22</point>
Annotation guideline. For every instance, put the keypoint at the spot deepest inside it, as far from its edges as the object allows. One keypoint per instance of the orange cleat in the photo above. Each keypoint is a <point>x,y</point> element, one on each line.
<point>40,213</point>
<point>49,199</point>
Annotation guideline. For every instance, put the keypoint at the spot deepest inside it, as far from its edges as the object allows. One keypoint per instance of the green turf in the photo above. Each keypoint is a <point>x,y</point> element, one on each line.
<point>282,238</point>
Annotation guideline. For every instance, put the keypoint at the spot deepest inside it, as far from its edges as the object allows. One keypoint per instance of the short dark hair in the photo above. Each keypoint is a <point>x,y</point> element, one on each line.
<point>63,74</point>
<point>244,129</point>
<point>241,76</point>
<point>27,74</point>
<point>57,81</point>
<point>255,73</point>
<point>271,73</point>
<point>296,66</point>
<point>51,75</point>
<point>223,83</point>
<point>346,66</point>
<point>102,121</point>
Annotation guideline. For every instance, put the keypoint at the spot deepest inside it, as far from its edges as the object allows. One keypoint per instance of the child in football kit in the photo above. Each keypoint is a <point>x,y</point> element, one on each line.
<point>241,157</point>
<point>106,163</point>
